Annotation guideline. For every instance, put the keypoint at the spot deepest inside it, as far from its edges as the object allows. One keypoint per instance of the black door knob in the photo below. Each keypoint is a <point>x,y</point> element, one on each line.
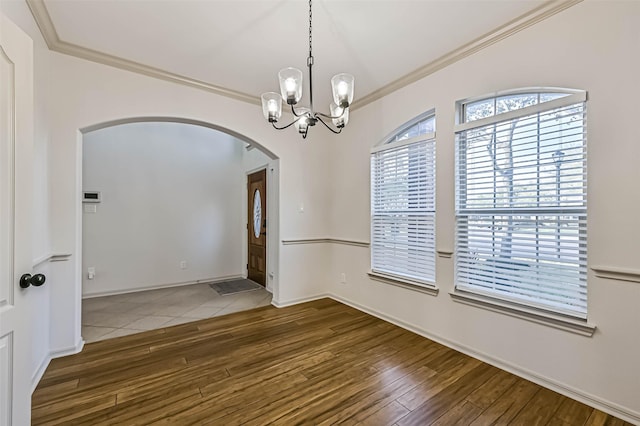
<point>36,280</point>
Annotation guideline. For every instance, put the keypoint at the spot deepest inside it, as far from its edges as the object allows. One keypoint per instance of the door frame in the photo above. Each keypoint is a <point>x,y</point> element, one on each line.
<point>272,170</point>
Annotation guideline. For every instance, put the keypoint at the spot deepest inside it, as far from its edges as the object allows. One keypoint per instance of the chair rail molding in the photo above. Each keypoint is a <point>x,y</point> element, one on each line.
<point>614,273</point>
<point>51,257</point>
<point>356,243</point>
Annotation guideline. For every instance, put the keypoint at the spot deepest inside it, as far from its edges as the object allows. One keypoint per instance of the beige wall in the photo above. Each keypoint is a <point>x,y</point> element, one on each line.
<point>87,94</point>
<point>171,192</point>
<point>591,46</point>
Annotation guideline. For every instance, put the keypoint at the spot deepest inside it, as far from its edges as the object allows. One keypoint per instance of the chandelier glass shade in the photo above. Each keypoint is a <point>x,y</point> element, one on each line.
<point>291,81</point>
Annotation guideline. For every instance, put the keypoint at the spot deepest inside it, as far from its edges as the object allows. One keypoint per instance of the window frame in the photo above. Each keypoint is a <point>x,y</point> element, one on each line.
<point>519,308</point>
<point>390,143</point>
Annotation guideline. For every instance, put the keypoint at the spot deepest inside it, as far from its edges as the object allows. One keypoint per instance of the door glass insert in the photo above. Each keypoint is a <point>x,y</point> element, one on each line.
<point>257,213</point>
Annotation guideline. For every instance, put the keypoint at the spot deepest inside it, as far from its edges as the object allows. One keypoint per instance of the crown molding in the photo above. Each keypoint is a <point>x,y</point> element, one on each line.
<point>512,27</point>
<point>50,35</point>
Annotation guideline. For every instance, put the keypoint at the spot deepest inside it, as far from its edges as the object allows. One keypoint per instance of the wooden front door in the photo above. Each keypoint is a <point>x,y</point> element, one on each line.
<point>257,227</point>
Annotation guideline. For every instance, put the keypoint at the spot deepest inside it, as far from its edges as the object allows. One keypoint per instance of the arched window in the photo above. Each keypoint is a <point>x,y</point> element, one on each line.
<point>403,204</point>
<point>521,206</point>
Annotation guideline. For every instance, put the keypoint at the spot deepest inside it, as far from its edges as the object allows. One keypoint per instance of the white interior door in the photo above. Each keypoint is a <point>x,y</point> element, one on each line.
<point>16,145</point>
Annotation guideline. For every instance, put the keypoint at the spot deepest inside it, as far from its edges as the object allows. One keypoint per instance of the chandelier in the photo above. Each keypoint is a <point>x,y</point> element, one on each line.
<point>291,92</point>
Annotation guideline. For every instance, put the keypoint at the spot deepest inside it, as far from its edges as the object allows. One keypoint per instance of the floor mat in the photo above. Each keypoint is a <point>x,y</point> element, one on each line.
<point>235,286</point>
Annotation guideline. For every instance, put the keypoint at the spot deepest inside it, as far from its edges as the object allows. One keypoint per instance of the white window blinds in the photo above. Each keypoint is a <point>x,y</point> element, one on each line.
<point>521,214</point>
<point>403,209</point>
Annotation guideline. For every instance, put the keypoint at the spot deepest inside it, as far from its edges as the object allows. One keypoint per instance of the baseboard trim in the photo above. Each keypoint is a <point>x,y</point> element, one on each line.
<point>46,360</point>
<point>291,302</point>
<point>161,286</point>
<point>69,350</point>
<point>37,375</point>
<point>586,398</point>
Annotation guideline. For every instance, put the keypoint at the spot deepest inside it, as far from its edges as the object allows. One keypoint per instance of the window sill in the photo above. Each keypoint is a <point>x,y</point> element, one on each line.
<point>561,322</point>
<point>404,283</point>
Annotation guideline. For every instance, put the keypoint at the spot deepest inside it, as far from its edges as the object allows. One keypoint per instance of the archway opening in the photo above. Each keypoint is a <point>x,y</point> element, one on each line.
<point>165,222</point>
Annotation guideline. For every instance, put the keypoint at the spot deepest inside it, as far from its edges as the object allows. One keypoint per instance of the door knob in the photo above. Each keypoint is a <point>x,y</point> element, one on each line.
<point>36,280</point>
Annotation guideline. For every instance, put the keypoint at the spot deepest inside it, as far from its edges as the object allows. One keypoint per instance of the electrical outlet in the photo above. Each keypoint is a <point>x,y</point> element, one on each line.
<point>91,272</point>
<point>183,264</point>
<point>343,278</point>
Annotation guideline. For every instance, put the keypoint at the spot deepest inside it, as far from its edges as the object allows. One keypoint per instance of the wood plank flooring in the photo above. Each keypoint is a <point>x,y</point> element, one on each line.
<point>316,363</point>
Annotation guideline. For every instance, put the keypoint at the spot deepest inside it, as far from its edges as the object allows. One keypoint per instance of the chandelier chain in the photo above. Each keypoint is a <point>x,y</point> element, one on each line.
<point>310,16</point>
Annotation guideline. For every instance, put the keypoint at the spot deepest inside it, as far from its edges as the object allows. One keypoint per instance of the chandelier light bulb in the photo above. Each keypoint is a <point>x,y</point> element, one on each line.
<point>342,86</point>
<point>303,124</point>
<point>290,85</point>
<point>339,115</point>
<point>304,121</point>
<point>272,106</point>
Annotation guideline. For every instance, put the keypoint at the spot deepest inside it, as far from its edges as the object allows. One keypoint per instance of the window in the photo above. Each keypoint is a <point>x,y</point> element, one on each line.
<point>403,204</point>
<point>521,213</point>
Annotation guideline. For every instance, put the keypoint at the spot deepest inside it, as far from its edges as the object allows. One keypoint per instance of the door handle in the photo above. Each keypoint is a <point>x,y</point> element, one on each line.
<point>36,280</point>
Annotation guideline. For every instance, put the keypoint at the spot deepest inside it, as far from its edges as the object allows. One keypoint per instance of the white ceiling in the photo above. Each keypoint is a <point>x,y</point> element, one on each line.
<point>242,44</point>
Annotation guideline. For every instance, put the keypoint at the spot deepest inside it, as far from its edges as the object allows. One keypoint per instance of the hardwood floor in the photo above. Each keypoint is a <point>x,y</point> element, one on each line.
<point>315,363</point>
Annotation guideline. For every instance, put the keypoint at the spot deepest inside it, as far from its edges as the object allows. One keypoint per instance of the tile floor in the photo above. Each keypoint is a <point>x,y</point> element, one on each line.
<point>113,316</point>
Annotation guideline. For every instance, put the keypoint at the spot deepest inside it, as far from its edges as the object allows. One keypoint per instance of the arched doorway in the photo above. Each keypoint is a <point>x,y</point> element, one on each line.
<point>161,211</point>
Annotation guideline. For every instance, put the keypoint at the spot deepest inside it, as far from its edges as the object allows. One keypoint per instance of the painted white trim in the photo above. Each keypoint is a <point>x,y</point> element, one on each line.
<point>264,167</point>
<point>538,316</point>
<point>576,98</point>
<point>532,17</point>
<point>182,120</point>
<point>445,254</point>
<point>51,257</point>
<point>568,391</point>
<point>431,113</point>
<point>516,91</point>
<point>37,375</point>
<point>614,273</point>
<point>69,350</point>
<point>46,360</point>
<point>161,286</point>
<point>348,242</point>
<point>299,300</point>
<point>428,288</point>
<point>404,142</point>
<point>356,243</point>
<point>50,35</point>
<point>538,14</point>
